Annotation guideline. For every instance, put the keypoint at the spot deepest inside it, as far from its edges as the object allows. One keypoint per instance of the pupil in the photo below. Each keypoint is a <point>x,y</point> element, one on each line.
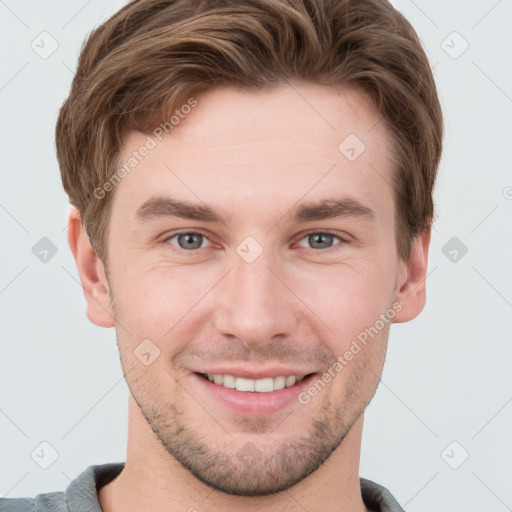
<point>325,236</point>
<point>189,241</point>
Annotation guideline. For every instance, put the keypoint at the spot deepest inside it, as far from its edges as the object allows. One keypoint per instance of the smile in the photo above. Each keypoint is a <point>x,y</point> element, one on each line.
<point>265,385</point>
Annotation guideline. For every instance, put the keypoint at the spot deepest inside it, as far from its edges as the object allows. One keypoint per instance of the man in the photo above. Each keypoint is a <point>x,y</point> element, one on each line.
<point>252,201</point>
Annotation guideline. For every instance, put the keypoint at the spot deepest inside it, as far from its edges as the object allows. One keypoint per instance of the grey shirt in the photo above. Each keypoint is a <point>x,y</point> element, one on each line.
<point>82,494</point>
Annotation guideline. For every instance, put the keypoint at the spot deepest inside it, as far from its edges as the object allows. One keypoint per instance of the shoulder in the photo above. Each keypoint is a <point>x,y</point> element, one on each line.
<point>17,504</point>
<point>378,497</point>
<point>80,495</point>
<point>50,502</point>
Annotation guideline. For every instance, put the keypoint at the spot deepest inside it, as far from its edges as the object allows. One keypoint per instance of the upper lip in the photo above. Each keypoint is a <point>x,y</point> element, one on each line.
<point>253,373</point>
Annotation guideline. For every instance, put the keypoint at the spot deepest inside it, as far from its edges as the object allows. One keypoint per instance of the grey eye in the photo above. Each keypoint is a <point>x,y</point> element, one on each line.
<point>189,241</point>
<point>319,240</point>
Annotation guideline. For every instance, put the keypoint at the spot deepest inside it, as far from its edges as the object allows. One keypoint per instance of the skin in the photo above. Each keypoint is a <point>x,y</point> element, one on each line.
<point>291,306</point>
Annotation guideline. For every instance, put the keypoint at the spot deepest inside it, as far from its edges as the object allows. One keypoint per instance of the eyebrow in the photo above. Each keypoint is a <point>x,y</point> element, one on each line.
<point>333,208</point>
<point>157,207</point>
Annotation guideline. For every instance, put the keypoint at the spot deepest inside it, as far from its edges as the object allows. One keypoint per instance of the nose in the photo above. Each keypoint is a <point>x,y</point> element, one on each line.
<point>254,304</point>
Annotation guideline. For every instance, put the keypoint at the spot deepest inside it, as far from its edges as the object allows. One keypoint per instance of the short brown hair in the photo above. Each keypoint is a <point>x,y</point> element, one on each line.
<point>152,55</point>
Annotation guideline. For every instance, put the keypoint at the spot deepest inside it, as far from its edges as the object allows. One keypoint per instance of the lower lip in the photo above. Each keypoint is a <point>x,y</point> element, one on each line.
<point>249,403</point>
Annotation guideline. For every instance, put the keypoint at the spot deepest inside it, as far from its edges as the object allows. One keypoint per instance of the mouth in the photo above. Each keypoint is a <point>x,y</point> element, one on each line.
<point>252,391</point>
<point>265,385</point>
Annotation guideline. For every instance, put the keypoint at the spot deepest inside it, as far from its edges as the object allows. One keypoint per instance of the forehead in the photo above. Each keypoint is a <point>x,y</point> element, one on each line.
<point>296,140</point>
<point>298,113</point>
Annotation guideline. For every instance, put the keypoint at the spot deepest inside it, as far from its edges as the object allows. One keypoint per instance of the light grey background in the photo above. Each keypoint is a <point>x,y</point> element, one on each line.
<point>448,373</point>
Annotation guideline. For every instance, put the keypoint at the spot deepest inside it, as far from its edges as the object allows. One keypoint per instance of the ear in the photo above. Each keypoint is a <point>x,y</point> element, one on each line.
<point>411,277</point>
<point>92,274</point>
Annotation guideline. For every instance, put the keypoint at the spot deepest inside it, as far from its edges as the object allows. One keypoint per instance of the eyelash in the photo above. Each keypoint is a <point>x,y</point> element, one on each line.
<point>328,249</point>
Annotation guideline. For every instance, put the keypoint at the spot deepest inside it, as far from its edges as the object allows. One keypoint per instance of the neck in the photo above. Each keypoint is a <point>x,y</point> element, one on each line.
<point>154,481</point>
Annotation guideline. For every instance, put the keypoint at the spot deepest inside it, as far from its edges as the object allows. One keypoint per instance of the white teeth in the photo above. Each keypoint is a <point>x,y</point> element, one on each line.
<point>290,381</point>
<point>265,385</point>
<point>279,383</point>
<point>228,381</point>
<point>244,384</point>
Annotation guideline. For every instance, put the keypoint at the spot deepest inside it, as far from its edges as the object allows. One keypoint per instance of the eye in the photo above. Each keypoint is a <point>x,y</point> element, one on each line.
<point>188,240</point>
<point>322,240</point>
<point>192,240</point>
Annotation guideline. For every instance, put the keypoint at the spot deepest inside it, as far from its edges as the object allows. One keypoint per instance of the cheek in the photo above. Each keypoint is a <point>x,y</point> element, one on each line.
<point>156,301</point>
<point>346,297</point>
<point>359,361</point>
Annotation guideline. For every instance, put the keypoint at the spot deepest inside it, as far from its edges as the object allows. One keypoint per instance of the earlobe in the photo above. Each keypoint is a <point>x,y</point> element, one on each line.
<point>411,282</point>
<point>91,272</point>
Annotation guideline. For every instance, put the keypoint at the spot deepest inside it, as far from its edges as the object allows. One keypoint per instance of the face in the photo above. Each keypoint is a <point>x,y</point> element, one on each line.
<point>249,244</point>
